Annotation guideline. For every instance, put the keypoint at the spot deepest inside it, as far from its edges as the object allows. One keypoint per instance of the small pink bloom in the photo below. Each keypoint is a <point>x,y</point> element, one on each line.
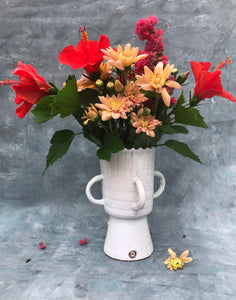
<point>83,242</point>
<point>42,246</point>
<point>144,123</point>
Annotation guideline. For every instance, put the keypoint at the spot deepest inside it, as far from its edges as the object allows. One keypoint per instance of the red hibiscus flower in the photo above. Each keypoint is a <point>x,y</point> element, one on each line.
<point>87,54</point>
<point>29,90</point>
<point>208,84</point>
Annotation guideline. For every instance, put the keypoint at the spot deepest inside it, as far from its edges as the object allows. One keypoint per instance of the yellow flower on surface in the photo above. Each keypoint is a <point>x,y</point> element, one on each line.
<point>157,81</point>
<point>112,107</point>
<point>105,70</point>
<point>90,114</point>
<point>144,123</point>
<point>122,58</point>
<point>174,262</point>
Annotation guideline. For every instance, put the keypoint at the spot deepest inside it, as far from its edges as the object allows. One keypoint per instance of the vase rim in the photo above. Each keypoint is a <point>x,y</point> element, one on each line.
<point>138,149</point>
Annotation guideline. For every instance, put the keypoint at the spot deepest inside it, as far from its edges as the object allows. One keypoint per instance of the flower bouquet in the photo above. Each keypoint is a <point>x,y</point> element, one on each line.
<point>124,102</point>
<point>125,97</point>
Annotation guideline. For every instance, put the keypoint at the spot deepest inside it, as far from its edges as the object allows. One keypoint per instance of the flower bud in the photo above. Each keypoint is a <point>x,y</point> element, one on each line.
<point>110,86</point>
<point>181,78</point>
<point>174,71</point>
<point>118,86</point>
<point>99,83</point>
<point>146,111</point>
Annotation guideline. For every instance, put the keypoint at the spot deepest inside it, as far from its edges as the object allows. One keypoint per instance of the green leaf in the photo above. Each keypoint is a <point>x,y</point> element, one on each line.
<point>189,116</point>
<point>60,145</point>
<point>111,144</point>
<point>182,149</point>
<point>42,111</point>
<point>104,153</point>
<point>28,260</point>
<point>66,102</point>
<point>88,96</point>
<point>181,100</point>
<point>150,94</point>
<point>173,129</point>
<point>92,137</point>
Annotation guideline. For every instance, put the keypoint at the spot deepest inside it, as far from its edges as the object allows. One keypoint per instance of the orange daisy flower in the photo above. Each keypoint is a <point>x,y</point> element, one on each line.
<point>133,94</point>
<point>120,58</point>
<point>144,123</point>
<point>112,107</point>
<point>157,81</point>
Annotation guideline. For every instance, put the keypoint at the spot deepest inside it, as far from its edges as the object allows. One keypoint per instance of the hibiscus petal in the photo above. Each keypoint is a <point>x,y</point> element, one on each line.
<point>199,67</point>
<point>42,246</point>
<point>22,69</point>
<point>22,110</point>
<point>69,56</point>
<point>83,242</point>
<point>18,100</point>
<point>28,71</point>
<point>28,93</point>
<point>226,95</point>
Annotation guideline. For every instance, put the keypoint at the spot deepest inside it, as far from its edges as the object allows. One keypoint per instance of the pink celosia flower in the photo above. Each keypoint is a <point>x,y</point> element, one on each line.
<point>83,242</point>
<point>42,246</point>
<point>154,43</point>
<point>164,59</point>
<point>144,123</point>
<point>112,107</point>
<point>145,27</point>
<point>173,100</point>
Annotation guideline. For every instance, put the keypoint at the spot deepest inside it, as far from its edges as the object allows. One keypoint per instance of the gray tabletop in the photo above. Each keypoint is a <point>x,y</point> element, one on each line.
<point>196,211</point>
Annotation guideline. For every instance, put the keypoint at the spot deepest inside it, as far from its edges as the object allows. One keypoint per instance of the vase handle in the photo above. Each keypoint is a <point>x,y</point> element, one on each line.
<point>88,191</point>
<point>162,184</point>
<point>136,206</point>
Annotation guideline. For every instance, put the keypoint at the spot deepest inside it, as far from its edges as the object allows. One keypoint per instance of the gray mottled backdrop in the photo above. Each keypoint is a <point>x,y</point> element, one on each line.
<point>199,200</point>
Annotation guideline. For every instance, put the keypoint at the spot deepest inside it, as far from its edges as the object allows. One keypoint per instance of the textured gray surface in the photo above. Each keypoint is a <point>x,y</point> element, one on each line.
<point>199,201</point>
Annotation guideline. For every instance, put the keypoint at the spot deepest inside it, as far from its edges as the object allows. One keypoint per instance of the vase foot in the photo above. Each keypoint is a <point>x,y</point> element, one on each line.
<point>128,239</point>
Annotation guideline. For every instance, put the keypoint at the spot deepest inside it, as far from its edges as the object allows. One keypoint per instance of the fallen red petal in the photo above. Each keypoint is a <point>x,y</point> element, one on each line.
<point>83,242</point>
<point>42,246</point>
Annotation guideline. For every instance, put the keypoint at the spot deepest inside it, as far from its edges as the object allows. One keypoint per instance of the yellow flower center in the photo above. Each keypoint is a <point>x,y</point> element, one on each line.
<point>114,105</point>
<point>177,263</point>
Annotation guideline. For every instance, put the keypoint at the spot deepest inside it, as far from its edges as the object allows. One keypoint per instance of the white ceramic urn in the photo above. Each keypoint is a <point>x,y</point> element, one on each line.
<point>128,193</point>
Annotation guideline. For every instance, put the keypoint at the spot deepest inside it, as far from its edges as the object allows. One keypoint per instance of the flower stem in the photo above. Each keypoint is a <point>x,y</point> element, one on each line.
<point>103,126</point>
<point>156,103</point>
